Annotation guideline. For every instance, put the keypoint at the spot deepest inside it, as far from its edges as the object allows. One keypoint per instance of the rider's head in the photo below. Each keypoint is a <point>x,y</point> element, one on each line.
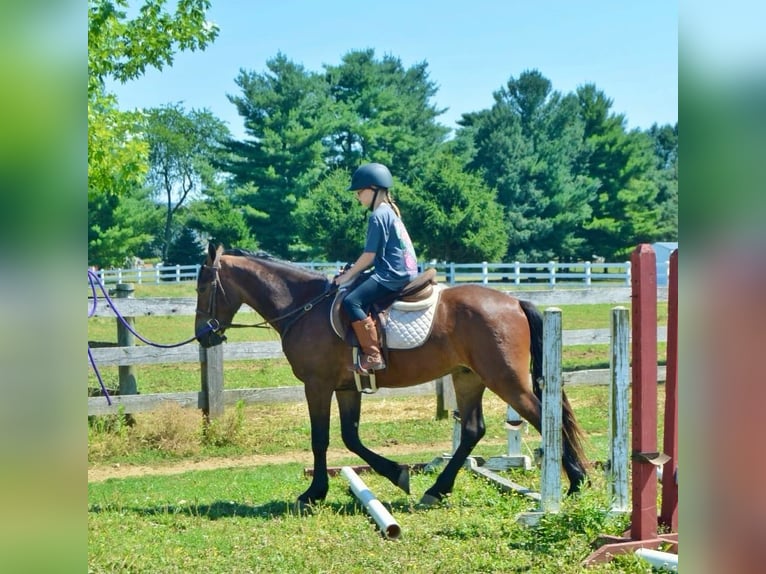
<point>372,175</point>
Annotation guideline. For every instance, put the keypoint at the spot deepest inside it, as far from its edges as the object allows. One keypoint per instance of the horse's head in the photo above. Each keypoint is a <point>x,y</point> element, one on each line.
<point>214,310</point>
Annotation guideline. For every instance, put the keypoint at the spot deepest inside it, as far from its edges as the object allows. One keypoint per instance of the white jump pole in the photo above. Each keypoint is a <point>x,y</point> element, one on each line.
<point>374,507</point>
<point>658,559</point>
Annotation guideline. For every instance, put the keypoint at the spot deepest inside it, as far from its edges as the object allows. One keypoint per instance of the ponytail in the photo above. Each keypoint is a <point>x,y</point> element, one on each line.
<point>394,206</point>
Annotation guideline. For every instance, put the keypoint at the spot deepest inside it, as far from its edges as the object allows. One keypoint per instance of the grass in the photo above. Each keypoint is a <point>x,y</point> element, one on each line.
<point>237,520</point>
<point>241,519</point>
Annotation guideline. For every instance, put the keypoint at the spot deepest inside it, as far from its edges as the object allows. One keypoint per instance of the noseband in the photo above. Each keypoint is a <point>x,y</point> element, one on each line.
<point>212,324</point>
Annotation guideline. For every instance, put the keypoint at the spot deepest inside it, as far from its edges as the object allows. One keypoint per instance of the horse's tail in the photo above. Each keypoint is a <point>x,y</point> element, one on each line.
<point>573,433</point>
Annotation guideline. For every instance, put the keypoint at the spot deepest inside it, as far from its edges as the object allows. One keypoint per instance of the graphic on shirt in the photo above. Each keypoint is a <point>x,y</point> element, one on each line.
<point>410,260</point>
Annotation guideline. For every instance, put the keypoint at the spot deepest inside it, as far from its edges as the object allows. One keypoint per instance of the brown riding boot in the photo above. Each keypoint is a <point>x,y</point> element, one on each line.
<point>367,333</point>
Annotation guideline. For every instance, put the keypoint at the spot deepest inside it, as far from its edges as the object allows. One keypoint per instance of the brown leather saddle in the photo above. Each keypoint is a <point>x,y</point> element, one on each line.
<point>418,289</point>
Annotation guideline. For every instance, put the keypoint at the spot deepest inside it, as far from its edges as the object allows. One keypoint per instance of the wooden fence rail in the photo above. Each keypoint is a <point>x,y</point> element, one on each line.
<point>212,398</point>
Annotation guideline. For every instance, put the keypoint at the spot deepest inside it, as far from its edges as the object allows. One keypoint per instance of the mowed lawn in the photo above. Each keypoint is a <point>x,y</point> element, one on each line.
<point>226,504</point>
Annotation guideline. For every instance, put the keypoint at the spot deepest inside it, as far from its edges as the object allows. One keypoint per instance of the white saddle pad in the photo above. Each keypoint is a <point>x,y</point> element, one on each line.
<point>409,324</point>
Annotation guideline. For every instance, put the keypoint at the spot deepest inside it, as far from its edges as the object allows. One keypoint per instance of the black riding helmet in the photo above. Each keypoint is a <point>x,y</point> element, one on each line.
<point>371,175</point>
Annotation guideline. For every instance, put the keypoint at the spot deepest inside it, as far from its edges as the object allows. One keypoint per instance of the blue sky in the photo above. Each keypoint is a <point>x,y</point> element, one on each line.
<point>628,49</point>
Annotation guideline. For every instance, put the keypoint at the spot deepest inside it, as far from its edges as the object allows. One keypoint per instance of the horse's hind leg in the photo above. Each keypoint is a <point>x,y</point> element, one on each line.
<point>469,390</point>
<point>349,407</point>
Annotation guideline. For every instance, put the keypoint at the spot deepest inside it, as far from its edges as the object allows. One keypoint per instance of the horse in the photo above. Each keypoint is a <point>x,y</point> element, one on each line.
<point>483,338</point>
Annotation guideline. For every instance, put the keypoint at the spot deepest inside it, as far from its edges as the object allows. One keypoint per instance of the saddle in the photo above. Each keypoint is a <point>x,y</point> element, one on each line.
<point>419,290</point>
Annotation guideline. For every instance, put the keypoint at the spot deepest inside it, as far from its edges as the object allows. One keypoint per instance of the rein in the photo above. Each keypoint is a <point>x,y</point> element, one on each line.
<point>214,325</point>
<point>94,280</point>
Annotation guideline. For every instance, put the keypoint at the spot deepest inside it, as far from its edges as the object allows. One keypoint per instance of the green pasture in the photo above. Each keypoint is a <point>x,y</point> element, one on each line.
<point>243,520</point>
<point>235,516</point>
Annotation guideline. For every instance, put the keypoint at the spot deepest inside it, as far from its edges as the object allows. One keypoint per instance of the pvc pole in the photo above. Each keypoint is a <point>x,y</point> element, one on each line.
<point>658,559</point>
<point>374,507</point>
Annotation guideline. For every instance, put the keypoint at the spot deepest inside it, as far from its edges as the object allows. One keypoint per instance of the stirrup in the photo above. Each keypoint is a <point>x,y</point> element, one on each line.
<point>373,366</point>
<point>370,386</point>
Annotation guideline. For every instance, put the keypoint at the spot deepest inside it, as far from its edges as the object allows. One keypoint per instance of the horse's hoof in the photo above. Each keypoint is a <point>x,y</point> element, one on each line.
<point>302,508</point>
<point>404,480</point>
<point>428,500</point>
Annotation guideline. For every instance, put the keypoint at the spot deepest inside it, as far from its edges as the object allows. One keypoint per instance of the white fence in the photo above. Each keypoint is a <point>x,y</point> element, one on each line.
<point>551,273</point>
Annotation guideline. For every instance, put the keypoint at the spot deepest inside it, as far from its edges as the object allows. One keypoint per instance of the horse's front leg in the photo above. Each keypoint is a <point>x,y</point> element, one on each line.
<point>349,407</point>
<point>319,400</point>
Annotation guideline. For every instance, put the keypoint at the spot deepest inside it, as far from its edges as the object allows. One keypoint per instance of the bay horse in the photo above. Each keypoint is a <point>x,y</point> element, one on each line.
<point>480,336</point>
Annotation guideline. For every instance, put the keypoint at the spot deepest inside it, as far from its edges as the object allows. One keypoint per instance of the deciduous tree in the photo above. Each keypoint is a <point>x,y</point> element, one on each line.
<point>181,143</point>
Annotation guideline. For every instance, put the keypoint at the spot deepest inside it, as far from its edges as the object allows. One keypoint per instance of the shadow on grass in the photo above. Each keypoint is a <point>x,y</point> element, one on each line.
<point>269,510</point>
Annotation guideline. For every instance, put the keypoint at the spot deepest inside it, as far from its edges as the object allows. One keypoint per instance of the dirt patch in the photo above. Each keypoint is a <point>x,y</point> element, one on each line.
<point>334,456</point>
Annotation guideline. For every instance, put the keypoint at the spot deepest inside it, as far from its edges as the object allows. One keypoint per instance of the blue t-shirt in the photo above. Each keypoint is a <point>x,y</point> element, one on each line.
<point>395,261</point>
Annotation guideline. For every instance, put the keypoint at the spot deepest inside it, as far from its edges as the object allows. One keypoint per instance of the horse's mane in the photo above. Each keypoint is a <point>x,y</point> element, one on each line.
<point>263,255</point>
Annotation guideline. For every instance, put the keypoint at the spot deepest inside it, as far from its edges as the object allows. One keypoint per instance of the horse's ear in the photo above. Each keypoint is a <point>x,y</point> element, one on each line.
<point>212,252</point>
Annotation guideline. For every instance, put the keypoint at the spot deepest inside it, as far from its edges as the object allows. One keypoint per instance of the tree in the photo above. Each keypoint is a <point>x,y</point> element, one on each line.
<point>527,147</point>
<point>122,49</point>
<point>330,220</point>
<point>180,144</point>
<point>665,140</point>
<point>453,215</point>
<point>282,157</point>
<point>301,125</point>
<point>625,209</point>
<point>223,214</point>
<point>381,110</point>
<point>121,226</point>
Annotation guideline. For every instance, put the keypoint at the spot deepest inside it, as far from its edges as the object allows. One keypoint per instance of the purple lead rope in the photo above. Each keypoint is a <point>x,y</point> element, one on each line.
<point>93,281</point>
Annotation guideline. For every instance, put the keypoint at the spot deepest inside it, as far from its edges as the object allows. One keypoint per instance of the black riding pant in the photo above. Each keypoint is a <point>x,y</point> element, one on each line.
<point>359,302</point>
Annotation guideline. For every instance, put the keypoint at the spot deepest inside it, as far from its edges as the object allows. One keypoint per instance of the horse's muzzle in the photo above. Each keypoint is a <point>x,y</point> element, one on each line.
<point>210,334</point>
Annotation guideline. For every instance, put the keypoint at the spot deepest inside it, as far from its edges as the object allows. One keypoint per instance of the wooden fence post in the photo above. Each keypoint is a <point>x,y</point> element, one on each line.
<point>211,368</point>
<point>619,370</point>
<point>669,508</point>
<point>550,488</point>
<point>128,384</point>
<point>644,391</point>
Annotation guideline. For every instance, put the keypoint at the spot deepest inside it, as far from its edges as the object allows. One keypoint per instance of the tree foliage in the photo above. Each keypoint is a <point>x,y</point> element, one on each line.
<point>624,208</point>
<point>223,214</point>
<point>453,215</point>
<point>120,227</point>
<point>181,144</point>
<point>122,48</point>
<point>381,110</point>
<point>527,146</point>
<point>301,125</point>
<point>665,140</point>
<point>331,222</point>
<point>282,157</point>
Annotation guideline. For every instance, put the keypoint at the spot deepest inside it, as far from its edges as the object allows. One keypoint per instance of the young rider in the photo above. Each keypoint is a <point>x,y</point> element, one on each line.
<point>388,249</point>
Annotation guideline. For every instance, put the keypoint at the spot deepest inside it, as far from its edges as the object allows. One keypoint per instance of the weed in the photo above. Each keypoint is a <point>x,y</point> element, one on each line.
<point>226,431</point>
<point>171,432</point>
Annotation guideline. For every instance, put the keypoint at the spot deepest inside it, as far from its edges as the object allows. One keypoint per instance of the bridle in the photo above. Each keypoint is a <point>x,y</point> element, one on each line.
<point>214,326</point>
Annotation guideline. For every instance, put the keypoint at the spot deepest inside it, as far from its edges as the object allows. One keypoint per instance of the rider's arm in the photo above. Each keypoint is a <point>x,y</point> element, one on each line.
<point>365,260</point>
